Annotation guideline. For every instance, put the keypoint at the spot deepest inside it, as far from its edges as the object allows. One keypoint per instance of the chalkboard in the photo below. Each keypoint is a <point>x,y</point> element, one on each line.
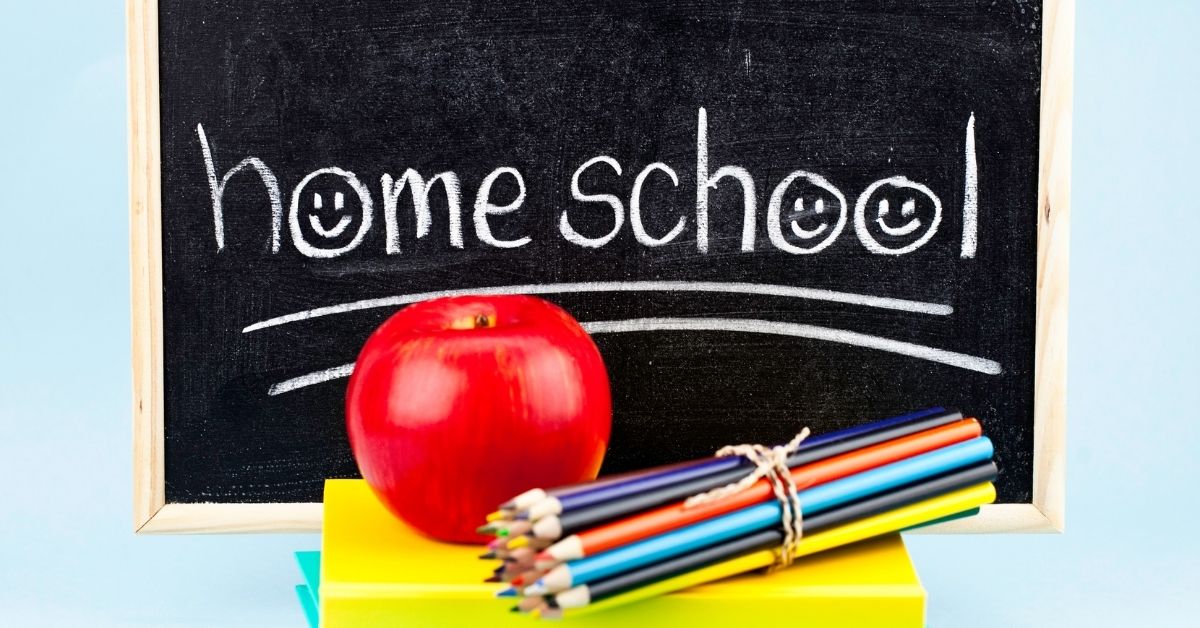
<point>770,215</point>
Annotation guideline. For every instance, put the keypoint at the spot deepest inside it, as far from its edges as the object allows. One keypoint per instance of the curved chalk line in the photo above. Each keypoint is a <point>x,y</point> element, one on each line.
<point>308,379</point>
<point>816,294</point>
<point>798,330</point>
<point>752,326</point>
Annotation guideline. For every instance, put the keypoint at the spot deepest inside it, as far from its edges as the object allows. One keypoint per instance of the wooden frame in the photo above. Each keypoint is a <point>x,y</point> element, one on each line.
<point>151,513</point>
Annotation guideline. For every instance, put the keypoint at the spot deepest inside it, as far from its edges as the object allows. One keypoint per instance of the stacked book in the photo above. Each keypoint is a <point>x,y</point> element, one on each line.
<point>373,570</point>
<point>572,551</point>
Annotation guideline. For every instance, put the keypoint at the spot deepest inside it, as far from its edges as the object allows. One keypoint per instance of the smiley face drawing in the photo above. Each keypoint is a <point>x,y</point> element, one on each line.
<point>904,215</point>
<point>316,223</point>
<point>818,214</point>
<point>328,197</point>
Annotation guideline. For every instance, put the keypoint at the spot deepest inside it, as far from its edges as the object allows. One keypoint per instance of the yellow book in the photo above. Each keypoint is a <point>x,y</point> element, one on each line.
<point>375,571</point>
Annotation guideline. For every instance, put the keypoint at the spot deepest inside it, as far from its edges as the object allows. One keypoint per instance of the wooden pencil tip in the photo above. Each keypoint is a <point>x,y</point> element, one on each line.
<point>492,579</point>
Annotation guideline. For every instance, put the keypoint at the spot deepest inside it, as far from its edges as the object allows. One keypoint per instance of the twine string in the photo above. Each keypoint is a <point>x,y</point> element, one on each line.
<point>769,463</point>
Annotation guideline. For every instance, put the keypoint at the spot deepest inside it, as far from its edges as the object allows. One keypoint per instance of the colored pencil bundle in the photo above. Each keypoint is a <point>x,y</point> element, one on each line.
<point>585,547</point>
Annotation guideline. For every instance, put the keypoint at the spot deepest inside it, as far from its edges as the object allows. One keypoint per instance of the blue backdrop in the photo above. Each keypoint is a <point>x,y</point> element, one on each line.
<point>67,556</point>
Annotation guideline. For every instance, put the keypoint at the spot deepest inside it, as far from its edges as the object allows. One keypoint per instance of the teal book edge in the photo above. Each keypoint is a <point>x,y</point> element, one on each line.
<point>306,603</point>
<point>310,592</point>
<point>310,568</point>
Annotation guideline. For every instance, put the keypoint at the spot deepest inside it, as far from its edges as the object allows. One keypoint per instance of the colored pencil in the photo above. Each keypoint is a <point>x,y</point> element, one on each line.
<point>521,578</point>
<point>663,519</point>
<point>586,517</point>
<point>514,528</point>
<point>531,496</point>
<point>527,605</point>
<point>761,516</point>
<point>520,554</point>
<point>526,499</point>
<point>829,444</point>
<point>773,538</point>
<point>891,521</point>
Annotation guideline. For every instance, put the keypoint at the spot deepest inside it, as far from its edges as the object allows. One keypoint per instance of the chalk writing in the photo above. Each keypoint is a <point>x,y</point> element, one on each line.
<point>906,214</point>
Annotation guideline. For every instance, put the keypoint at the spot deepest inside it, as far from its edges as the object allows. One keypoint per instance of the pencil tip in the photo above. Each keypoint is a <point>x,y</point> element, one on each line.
<point>509,592</point>
<point>487,556</point>
<point>492,579</point>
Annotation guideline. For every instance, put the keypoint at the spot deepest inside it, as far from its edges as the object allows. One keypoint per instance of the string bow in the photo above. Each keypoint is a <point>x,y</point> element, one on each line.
<point>769,463</point>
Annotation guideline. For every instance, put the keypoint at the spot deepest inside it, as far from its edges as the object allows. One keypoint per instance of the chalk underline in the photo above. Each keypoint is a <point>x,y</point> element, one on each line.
<point>752,326</point>
<point>760,289</point>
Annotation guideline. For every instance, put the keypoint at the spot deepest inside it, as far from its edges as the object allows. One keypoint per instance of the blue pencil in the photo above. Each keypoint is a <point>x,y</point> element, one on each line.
<point>762,516</point>
<point>610,491</point>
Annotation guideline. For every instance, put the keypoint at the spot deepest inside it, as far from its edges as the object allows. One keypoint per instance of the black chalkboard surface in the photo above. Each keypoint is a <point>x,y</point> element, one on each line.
<point>770,214</point>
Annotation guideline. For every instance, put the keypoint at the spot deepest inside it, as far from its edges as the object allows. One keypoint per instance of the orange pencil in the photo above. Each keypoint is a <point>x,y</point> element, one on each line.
<point>670,517</point>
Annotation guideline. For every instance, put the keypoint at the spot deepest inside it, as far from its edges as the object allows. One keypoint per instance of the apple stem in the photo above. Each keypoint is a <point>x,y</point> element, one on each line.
<point>474,321</point>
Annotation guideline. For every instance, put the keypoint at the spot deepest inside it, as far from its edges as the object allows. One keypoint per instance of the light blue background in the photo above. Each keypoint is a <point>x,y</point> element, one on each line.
<point>67,556</point>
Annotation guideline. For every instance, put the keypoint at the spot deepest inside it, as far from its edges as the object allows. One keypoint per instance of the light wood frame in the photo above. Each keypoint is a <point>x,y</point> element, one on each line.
<point>151,513</point>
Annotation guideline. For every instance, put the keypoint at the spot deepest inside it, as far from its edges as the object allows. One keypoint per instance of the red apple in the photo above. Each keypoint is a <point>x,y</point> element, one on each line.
<point>458,404</point>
